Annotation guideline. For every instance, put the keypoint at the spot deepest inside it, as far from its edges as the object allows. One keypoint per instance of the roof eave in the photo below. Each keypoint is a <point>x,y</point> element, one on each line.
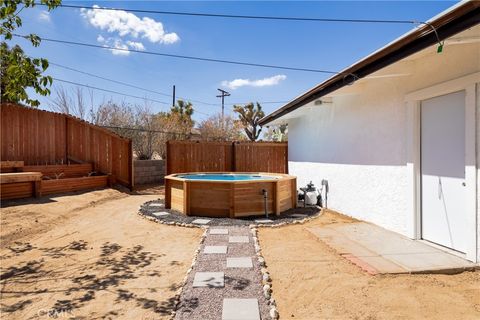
<point>458,19</point>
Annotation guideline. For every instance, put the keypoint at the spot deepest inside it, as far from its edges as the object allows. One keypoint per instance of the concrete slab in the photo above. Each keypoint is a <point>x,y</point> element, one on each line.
<point>215,249</point>
<point>201,221</point>
<point>240,309</point>
<point>218,231</point>
<point>161,214</point>
<point>209,279</point>
<point>263,221</point>
<point>156,205</point>
<point>377,250</point>
<point>238,239</point>
<point>298,215</point>
<point>240,262</point>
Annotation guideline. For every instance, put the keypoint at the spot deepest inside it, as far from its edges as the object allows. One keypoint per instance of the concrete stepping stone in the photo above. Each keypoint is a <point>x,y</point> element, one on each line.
<point>218,231</point>
<point>215,249</point>
<point>238,239</point>
<point>209,279</point>
<point>161,214</point>
<point>263,221</point>
<point>201,221</point>
<point>240,309</point>
<point>239,262</point>
<point>299,215</point>
<point>157,205</point>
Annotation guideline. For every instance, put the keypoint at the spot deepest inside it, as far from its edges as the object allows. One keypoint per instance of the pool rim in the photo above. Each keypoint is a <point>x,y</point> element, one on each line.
<point>279,176</point>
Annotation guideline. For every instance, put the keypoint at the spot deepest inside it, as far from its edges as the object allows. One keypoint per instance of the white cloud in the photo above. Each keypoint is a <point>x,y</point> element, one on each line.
<point>271,81</point>
<point>136,45</point>
<point>126,23</point>
<point>44,16</point>
<point>118,43</point>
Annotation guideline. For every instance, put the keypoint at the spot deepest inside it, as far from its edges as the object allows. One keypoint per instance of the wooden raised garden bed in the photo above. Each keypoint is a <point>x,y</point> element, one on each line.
<point>49,179</point>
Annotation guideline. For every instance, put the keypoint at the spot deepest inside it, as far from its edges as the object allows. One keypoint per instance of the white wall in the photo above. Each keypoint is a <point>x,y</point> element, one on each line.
<point>358,143</point>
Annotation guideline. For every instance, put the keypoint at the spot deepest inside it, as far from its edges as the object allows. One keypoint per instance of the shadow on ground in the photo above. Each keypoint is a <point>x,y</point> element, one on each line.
<point>109,271</point>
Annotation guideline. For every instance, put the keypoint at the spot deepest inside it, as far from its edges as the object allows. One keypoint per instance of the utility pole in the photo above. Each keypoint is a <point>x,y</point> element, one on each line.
<point>173,101</point>
<point>223,95</point>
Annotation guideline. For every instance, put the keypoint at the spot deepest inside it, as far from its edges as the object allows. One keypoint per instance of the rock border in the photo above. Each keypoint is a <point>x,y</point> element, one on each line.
<point>178,219</point>
<point>266,279</point>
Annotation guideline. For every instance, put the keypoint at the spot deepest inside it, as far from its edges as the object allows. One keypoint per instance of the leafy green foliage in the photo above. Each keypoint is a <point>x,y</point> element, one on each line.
<point>18,71</point>
<point>250,115</point>
<point>182,113</point>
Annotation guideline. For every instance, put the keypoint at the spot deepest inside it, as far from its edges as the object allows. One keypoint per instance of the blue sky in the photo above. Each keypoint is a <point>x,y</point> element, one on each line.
<point>327,46</point>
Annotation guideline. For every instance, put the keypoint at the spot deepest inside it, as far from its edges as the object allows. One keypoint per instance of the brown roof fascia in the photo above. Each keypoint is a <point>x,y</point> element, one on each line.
<point>459,19</point>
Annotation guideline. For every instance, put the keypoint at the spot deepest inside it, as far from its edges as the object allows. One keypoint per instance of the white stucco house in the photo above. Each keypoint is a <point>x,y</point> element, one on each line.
<point>397,134</point>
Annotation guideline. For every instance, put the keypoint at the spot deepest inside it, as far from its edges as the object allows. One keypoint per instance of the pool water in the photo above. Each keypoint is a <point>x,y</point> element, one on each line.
<point>225,177</point>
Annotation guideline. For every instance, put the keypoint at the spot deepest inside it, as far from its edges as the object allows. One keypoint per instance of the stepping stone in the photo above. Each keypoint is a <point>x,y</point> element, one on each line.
<point>241,262</point>
<point>209,279</point>
<point>298,215</point>
<point>264,221</point>
<point>201,221</point>
<point>218,231</point>
<point>160,214</point>
<point>156,205</point>
<point>238,239</point>
<point>215,249</point>
<point>240,309</point>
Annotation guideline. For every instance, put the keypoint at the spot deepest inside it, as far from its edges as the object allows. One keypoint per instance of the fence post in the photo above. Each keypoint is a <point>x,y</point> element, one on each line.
<point>234,160</point>
<point>130,165</point>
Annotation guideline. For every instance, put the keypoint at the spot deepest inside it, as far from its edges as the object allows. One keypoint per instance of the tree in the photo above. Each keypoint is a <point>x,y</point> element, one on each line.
<point>19,71</point>
<point>249,116</point>
<point>74,104</point>
<point>216,128</point>
<point>277,133</point>
<point>181,114</point>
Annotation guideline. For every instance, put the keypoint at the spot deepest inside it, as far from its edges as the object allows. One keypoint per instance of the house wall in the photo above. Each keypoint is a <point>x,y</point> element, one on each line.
<point>358,142</point>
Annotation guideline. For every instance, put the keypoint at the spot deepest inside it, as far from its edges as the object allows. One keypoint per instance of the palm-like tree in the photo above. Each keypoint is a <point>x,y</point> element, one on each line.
<point>249,116</point>
<point>183,108</point>
<point>183,111</point>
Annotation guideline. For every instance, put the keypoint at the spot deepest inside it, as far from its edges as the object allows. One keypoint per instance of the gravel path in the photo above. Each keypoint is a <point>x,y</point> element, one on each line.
<point>150,208</point>
<point>204,303</point>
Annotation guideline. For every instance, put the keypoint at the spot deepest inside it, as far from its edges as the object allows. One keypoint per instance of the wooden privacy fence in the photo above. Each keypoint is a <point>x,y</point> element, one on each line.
<point>202,156</point>
<point>46,138</point>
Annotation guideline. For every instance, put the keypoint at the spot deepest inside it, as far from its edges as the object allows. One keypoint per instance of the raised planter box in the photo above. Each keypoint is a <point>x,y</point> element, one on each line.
<point>26,189</point>
<point>73,184</point>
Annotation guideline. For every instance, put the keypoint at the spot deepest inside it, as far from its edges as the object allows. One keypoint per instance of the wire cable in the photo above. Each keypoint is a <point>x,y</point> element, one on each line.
<point>126,84</point>
<point>235,16</point>
<point>119,93</point>
<point>181,56</point>
<point>278,18</point>
<point>153,91</point>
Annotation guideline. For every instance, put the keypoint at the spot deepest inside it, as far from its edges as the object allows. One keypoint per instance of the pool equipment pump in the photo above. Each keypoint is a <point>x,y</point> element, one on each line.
<point>312,195</point>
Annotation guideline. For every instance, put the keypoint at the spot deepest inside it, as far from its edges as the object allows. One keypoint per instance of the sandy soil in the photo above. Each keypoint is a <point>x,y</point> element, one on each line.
<point>310,281</point>
<point>90,256</point>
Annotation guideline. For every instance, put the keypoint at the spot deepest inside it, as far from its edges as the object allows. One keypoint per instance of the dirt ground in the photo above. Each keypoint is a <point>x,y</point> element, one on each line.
<point>90,256</point>
<point>311,281</point>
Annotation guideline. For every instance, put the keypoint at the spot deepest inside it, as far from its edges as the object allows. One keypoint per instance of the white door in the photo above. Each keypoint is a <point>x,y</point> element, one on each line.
<point>444,212</point>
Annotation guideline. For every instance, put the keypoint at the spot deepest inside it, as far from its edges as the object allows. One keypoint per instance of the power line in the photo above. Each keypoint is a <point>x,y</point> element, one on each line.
<point>145,130</point>
<point>182,56</point>
<point>119,93</point>
<point>124,83</point>
<point>213,15</point>
<point>234,16</point>
<point>153,91</point>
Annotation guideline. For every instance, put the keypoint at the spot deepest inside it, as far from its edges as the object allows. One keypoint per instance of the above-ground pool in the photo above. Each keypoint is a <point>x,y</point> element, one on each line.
<point>230,194</point>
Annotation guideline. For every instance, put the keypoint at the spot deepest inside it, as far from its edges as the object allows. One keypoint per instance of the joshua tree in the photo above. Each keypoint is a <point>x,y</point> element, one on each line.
<point>249,116</point>
<point>182,113</point>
